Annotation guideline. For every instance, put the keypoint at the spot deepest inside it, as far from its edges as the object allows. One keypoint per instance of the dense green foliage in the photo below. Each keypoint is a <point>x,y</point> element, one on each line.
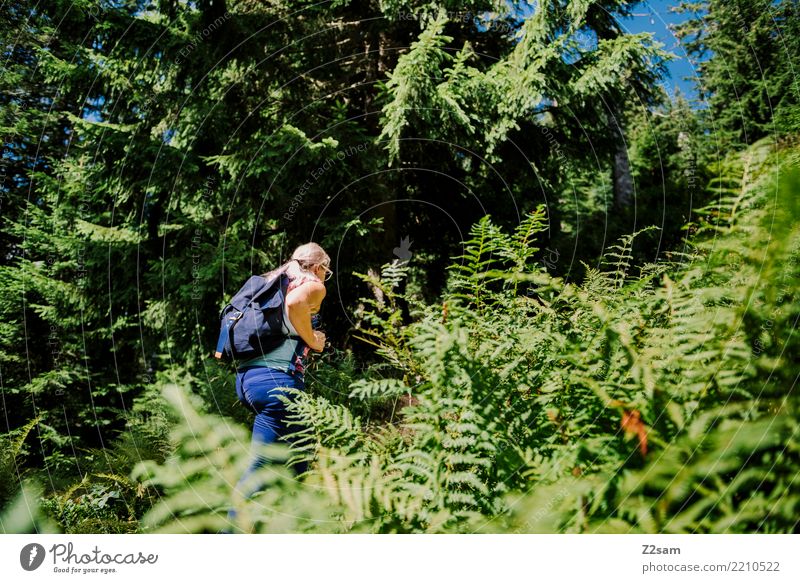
<point>593,328</point>
<point>655,399</point>
<point>747,52</point>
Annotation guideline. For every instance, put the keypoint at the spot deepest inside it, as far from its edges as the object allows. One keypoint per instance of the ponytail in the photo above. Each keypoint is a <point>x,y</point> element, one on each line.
<point>298,268</point>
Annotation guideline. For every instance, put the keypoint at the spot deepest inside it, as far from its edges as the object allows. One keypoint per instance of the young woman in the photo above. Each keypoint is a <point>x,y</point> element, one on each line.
<point>261,381</point>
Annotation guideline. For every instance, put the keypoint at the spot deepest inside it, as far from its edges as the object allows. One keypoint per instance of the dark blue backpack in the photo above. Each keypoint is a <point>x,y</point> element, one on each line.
<point>252,323</point>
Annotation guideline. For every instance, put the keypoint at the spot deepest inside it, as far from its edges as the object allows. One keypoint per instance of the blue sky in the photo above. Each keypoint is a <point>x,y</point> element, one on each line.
<point>654,16</point>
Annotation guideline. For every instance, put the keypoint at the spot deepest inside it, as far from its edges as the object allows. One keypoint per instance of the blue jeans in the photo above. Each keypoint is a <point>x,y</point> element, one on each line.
<point>260,389</point>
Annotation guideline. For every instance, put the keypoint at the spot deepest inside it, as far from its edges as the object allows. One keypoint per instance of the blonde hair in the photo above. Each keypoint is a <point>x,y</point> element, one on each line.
<point>303,260</point>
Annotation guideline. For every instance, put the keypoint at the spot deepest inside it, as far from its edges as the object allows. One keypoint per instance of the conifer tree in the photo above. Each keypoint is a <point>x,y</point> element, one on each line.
<point>746,53</point>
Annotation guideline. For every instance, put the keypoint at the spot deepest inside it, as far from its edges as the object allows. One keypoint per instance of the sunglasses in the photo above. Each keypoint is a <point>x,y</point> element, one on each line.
<point>328,272</point>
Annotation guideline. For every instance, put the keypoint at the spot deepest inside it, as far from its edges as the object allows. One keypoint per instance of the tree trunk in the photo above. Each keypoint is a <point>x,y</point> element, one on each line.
<point>623,179</point>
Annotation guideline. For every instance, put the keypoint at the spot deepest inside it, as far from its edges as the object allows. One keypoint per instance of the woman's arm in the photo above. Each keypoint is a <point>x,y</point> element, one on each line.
<point>301,303</point>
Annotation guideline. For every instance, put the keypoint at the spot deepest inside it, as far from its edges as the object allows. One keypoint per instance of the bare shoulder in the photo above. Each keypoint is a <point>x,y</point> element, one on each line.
<point>310,291</point>
<point>314,289</point>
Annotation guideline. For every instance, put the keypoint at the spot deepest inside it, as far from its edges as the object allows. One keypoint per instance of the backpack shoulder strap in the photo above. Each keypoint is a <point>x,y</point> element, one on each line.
<point>289,286</point>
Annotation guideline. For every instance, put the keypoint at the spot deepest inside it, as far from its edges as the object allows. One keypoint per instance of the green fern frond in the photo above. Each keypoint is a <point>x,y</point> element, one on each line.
<point>378,389</point>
